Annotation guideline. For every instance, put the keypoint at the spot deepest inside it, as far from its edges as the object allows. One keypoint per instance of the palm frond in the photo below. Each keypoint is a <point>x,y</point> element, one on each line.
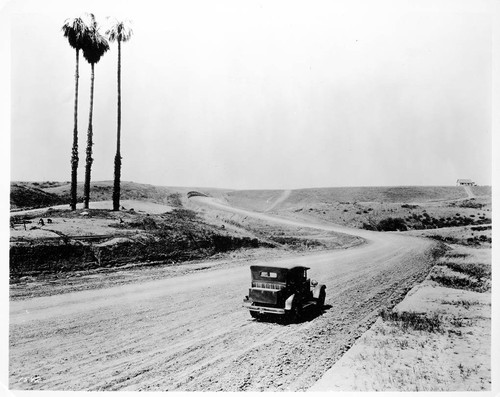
<point>94,43</point>
<point>119,30</point>
<point>74,29</point>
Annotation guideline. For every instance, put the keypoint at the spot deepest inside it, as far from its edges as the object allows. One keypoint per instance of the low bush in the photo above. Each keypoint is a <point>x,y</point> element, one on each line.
<point>392,224</point>
<point>481,228</point>
<point>461,302</point>
<point>478,270</point>
<point>413,320</point>
<point>445,239</point>
<point>297,243</point>
<point>470,204</point>
<point>409,206</point>
<point>457,282</point>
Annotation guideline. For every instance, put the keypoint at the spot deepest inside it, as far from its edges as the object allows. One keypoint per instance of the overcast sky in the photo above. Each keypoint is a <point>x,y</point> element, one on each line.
<point>261,94</point>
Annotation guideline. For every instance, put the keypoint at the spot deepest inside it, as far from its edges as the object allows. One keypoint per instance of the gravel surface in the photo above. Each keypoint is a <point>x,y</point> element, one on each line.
<point>189,332</point>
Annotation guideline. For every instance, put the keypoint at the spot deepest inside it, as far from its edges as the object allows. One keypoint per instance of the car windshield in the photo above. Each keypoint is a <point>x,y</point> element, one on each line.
<point>269,274</point>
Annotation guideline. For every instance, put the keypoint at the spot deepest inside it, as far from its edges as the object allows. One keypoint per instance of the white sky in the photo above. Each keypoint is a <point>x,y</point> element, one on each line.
<point>261,94</point>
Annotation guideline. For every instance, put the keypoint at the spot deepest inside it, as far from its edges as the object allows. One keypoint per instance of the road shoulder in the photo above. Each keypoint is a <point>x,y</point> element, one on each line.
<point>436,339</point>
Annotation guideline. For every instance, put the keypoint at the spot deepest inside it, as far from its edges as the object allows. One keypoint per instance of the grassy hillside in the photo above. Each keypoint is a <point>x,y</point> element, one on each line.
<point>259,199</point>
<point>31,195</point>
<point>344,205</point>
<point>43,194</point>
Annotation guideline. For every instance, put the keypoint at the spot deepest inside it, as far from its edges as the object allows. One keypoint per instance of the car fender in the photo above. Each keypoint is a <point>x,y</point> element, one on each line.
<point>289,302</point>
<point>318,289</point>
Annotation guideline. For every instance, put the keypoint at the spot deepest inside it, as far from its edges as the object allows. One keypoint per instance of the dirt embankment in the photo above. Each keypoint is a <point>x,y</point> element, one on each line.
<point>122,238</point>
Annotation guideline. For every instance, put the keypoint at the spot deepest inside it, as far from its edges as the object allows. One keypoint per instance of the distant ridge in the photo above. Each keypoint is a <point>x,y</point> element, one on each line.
<point>42,194</point>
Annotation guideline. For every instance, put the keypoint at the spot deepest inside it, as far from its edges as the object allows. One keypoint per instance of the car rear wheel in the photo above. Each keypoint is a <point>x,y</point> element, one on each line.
<point>321,299</point>
<point>294,314</point>
<point>255,314</point>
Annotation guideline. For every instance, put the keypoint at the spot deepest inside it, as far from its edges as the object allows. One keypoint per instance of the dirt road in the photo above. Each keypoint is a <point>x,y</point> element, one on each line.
<point>191,333</point>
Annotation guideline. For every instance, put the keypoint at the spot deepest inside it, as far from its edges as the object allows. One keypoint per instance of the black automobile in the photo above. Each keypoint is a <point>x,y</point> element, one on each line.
<point>283,291</point>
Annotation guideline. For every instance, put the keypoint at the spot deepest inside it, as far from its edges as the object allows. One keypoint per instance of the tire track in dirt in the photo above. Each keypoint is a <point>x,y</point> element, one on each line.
<point>279,200</point>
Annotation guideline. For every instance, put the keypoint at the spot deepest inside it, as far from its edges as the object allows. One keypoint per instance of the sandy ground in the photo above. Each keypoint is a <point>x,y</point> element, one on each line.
<point>190,333</point>
<point>81,226</point>
<point>136,205</point>
<point>389,358</point>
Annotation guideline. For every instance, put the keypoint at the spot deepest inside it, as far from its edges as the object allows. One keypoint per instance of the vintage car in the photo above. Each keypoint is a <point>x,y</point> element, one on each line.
<point>284,291</point>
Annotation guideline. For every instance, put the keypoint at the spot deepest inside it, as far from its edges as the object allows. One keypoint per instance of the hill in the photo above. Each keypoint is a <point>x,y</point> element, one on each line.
<point>260,199</point>
<point>25,195</point>
<point>42,194</point>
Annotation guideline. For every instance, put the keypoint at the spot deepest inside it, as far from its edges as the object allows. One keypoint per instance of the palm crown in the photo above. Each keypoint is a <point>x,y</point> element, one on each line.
<point>94,43</point>
<point>75,30</point>
<point>119,31</point>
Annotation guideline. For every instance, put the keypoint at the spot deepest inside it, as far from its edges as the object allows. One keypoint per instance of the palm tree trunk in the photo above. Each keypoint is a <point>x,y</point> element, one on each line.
<point>89,160</point>
<point>74,151</point>
<point>118,158</point>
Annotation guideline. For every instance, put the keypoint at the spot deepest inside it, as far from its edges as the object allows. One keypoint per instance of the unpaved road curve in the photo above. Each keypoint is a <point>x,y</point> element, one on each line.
<point>191,333</point>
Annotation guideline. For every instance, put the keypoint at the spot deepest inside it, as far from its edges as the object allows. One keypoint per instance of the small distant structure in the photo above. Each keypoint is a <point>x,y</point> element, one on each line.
<point>465,182</point>
<point>194,193</point>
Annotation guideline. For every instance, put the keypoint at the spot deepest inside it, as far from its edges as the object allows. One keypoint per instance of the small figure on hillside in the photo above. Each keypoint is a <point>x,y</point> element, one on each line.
<point>41,222</point>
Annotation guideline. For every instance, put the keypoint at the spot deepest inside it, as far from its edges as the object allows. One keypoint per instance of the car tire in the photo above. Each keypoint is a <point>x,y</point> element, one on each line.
<point>255,314</point>
<point>321,299</point>
<point>295,313</point>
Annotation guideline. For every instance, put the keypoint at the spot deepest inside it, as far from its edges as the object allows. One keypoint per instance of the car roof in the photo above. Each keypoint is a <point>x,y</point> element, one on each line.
<point>283,267</point>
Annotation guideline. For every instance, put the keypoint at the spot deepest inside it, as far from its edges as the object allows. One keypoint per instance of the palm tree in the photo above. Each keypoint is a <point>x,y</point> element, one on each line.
<point>95,45</point>
<point>74,30</point>
<point>120,31</point>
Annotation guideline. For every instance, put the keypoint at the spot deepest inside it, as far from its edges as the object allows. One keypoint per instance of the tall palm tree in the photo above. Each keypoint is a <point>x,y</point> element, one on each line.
<point>94,47</point>
<point>74,29</point>
<point>120,31</point>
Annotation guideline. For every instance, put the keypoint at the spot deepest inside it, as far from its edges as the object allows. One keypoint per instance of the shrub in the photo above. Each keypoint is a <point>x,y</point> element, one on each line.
<point>461,302</point>
<point>368,226</point>
<point>453,281</point>
<point>470,204</point>
<point>480,228</point>
<point>477,270</point>
<point>392,224</point>
<point>447,239</point>
<point>417,321</point>
<point>174,199</point>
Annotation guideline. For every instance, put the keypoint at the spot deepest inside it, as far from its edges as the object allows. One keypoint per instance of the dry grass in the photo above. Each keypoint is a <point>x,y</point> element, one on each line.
<point>469,269</point>
<point>436,339</point>
<point>391,358</point>
<point>416,321</point>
